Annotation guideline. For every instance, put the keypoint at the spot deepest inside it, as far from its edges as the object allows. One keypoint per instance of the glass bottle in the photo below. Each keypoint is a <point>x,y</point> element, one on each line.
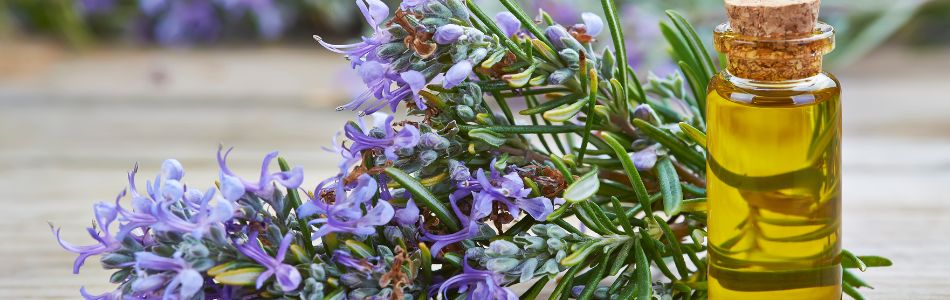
<point>774,169</point>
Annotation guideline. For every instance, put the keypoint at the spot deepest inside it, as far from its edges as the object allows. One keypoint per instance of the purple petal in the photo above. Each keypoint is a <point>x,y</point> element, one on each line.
<point>458,73</point>
<point>231,187</point>
<point>409,215</point>
<point>593,23</point>
<point>191,283</point>
<point>508,23</point>
<point>288,277</point>
<point>408,137</point>
<point>415,80</point>
<point>375,11</point>
<point>645,159</point>
<point>173,190</point>
<point>538,208</point>
<point>448,34</point>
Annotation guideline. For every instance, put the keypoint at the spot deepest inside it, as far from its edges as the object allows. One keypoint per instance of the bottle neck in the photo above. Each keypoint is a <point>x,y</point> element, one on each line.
<point>765,59</point>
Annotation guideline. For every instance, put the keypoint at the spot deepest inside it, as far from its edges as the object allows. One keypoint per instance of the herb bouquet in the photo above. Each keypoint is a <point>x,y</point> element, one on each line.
<point>528,158</point>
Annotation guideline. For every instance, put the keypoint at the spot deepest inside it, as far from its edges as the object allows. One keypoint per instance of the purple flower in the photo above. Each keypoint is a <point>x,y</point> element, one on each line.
<point>200,221</point>
<point>478,284</point>
<point>346,213</point>
<point>508,189</point>
<point>592,23</point>
<point>263,187</point>
<point>508,23</point>
<point>416,82</point>
<point>645,159</point>
<point>449,33</point>
<point>360,265</point>
<point>386,139</point>
<point>185,279</point>
<point>105,214</point>
<point>409,215</point>
<point>375,11</point>
<point>288,277</point>
<point>458,73</point>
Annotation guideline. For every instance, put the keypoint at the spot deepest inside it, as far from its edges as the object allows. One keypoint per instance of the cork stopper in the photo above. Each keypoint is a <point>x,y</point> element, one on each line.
<point>774,40</point>
<point>773,18</point>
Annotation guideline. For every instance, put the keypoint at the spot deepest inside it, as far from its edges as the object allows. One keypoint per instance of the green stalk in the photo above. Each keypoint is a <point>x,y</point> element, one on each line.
<point>296,202</point>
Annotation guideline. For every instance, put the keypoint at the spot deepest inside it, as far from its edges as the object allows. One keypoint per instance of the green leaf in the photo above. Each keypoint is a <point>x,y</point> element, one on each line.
<point>552,104</point>
<point>564,112</point>
<point>633,175</point>
<point>589,122</point>
<point>695,43</point>
<point>622,217</point>
<point>487,136</point>
<point>597,274</point>
<point>669,186</point>
<point>426,257</point>
<point>644,275</point>
<point>851,261</point>
<point>240,277</point>
<point>852,279</point>
<point>851,291</point>
<point>359,249</point>
<point>694,134</point>
<point>535,288</point>
<point>578,256</point>
<point>674,244</point>
<point>583,188</point>
<point>563,285</point>
<point>422,195</point>
<point>526,129</point>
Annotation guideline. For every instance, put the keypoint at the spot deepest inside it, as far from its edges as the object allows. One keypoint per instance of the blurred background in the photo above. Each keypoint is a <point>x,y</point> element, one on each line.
<point>90,87</point>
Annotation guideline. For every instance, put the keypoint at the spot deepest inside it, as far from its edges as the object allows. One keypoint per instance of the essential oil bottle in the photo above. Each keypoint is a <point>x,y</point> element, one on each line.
<point>774,156</point>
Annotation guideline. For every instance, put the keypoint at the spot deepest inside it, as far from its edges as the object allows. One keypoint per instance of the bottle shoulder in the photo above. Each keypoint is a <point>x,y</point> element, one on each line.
<point>806,91</point>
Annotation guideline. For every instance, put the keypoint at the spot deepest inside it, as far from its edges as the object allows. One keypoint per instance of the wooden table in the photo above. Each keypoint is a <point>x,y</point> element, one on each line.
<point>72,125</point>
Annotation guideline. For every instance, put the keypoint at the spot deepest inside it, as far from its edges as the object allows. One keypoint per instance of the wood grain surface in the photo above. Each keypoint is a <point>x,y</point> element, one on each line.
<point>71,125</point>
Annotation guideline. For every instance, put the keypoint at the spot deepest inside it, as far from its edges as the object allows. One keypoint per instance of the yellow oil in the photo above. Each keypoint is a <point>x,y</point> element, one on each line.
<point>774,188</point>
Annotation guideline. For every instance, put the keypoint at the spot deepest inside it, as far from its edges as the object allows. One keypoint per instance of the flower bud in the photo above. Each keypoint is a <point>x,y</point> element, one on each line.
<point>390,50</point>
<point>352,279</point>
<point>171,169</point>
<point>465,112</point>
<point>458,9</point>
<point>429,140</point>
<point>502,248</point>
<point>571,58</point>
<point>442,11</point>
<point>427,157</point>
<point>557,34</point>
<point>501,264</point>
<point>645,112</point>
<point>448,34</point>
<point>508,23</point>
<point>560,76</point>
<point>364,293</point>
<point>115,260</point>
